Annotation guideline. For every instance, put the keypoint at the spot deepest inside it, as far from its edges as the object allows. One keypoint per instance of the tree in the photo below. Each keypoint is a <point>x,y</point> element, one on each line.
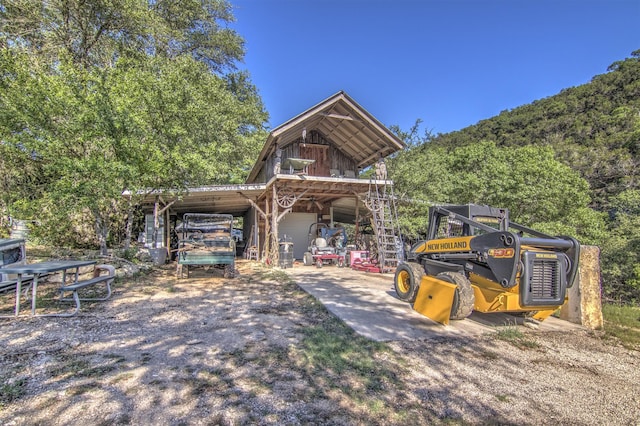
<point>539,191</point>
<point>98,32</point>
<point>412,138</point>
<point>122,95</point>
<point>621,250</point>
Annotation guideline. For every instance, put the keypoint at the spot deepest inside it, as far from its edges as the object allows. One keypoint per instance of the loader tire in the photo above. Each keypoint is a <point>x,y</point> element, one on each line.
<point>407,280</point>
<point>229,271</point>
<point>307,259</point>
<point>464,298</point>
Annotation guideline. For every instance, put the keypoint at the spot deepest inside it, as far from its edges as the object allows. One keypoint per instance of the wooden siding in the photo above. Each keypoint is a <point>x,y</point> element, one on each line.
<point>329,160</point>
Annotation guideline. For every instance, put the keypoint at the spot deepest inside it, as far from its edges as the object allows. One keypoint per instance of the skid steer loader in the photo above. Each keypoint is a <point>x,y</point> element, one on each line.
<point>474,258</point>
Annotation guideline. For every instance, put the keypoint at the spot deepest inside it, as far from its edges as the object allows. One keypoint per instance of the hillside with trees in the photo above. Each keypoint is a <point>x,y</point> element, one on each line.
<point>566,165</point>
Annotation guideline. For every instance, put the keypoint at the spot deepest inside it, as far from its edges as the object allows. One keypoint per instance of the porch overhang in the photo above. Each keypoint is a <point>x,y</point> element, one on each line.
<point>227,199</point>
<point>344,196</point>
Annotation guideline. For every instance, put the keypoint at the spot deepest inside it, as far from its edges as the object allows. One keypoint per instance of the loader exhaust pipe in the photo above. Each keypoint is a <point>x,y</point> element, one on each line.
<point>547,243</point>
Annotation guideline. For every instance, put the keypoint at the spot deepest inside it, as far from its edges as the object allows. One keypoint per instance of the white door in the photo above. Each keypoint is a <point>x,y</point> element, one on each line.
<point>296,227</point>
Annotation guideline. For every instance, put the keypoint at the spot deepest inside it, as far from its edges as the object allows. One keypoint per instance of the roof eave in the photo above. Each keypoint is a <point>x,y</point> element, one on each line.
<point>274,135</point>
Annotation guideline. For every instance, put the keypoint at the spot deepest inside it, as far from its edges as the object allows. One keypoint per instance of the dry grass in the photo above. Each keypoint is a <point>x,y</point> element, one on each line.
<point>259,350</point>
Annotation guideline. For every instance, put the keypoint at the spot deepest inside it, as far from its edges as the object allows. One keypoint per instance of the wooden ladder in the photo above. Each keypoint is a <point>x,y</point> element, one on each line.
<point>381,203</point>
<point>250,250</point>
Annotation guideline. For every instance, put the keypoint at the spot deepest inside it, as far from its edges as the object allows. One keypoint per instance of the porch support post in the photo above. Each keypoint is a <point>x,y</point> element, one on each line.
<point>357,219</point>
<point>156,222</point>
<point>274,227</point>
<point>262,214</point>
<point>267,231</point>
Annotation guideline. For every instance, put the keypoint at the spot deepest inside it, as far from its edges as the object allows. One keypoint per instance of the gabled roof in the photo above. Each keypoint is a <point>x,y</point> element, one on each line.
<point>339,118</point>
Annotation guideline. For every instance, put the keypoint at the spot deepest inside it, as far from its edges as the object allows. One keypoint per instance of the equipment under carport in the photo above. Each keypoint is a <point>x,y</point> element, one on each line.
<point>326,246</point>
<point>285,252</point>
<point>206,240</point>
<point>360,260</point>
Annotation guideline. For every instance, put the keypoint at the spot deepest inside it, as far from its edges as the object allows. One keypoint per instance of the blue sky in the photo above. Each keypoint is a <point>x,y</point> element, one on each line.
<point>450,63</point>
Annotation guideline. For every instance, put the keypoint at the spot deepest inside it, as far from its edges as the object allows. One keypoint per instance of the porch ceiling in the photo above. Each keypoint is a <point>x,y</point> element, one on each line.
<point>342,194</point>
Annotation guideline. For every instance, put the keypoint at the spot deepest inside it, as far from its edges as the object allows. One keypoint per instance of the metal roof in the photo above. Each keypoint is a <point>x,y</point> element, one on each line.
<point>339,118</point>
<point>229,199</point>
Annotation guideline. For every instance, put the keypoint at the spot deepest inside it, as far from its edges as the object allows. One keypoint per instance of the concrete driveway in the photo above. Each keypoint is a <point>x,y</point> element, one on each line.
<point>367,302</point>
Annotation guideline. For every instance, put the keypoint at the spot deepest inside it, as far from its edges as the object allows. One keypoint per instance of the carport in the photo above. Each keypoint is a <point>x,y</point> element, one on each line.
<point>163,207</point>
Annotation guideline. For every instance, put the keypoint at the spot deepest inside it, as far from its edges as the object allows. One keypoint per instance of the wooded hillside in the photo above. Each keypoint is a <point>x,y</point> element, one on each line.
<point>593,128</point>
<point>566,164</point>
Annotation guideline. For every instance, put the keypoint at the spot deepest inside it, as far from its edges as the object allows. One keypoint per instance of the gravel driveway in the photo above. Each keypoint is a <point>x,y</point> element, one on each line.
<point>259,350</point>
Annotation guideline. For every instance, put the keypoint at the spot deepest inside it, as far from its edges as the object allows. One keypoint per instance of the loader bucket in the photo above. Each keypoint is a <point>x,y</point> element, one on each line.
<point>435,299</point>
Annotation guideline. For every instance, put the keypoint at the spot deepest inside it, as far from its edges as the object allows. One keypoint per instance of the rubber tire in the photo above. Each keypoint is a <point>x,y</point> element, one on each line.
<point>307,259</point>
<point>229,271</point>
<point>464,297</point>
<point>407,280</point>
<point>319,263</point>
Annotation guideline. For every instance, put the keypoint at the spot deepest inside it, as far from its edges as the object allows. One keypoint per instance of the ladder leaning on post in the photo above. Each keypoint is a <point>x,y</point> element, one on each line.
<point>381,201</point>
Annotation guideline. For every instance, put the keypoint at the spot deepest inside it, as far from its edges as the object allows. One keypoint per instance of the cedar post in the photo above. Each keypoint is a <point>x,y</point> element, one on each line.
<point>585,304</point>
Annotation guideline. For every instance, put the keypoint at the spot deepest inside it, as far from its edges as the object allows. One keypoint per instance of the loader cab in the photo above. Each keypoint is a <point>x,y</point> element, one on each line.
<point>449,221</point>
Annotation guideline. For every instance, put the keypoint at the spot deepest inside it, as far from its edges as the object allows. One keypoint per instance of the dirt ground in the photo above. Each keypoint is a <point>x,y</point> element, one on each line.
<point>257,349</point>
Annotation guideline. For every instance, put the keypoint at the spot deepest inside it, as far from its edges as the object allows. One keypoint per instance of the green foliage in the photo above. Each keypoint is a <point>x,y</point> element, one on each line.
<point>568,164</point>
<point>539,191</point>
<point>623,323</point>
<point>621,250</point>
<point>184,119</point>
<point>96,33</point>
<point>99,97</point>
<point>593,128</point>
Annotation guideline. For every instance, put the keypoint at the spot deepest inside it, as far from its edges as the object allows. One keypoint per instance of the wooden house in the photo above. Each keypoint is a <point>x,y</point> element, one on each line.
<point>308,171</point>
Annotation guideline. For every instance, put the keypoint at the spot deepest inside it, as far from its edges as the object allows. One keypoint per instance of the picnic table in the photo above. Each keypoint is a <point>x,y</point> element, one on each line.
<point>33,272</point>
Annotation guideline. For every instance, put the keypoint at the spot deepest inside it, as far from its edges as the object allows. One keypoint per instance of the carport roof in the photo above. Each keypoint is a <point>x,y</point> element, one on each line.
<point>229,199</point>
<point>340,193</point>
<point>353,130</point>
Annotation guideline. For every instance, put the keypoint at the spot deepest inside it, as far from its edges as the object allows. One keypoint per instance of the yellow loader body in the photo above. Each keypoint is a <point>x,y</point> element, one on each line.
<point>476,260</point>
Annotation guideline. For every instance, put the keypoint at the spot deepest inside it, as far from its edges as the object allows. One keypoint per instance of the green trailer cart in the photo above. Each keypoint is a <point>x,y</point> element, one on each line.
<point>206,240</point>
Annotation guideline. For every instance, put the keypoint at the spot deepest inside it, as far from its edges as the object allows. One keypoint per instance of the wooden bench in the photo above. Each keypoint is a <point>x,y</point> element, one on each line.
<point>11,285</point>
<point>98,278</point>
<point>8,285</point>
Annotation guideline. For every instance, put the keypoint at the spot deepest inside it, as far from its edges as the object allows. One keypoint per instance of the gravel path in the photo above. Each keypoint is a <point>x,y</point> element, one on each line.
<point>258,350</point>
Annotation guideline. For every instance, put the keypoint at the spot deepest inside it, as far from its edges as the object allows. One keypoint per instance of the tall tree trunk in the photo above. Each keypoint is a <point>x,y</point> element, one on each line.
<point>102,232</point>
<point>156,223</point>
<point>129,226</point>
